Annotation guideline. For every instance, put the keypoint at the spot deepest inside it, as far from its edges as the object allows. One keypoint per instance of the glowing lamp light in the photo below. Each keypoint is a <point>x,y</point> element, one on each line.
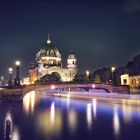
<point>17,63</point>
<point>113,69</point>
<point>87,73</point>
<point>93,86</point>
<point>52,87</point>
<point>10,70</point>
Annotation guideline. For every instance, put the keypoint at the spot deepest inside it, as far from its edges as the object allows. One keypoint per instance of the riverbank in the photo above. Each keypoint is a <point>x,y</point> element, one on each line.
<point>11,95</point>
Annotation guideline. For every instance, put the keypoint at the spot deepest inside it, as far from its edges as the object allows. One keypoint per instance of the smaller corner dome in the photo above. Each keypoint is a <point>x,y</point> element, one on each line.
<point>72,56</point>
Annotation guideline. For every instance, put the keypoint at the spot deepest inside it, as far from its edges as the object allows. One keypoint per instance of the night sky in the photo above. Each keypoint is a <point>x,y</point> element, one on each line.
<point>101,33</point>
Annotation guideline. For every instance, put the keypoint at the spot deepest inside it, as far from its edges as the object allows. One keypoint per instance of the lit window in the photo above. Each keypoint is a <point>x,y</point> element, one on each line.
<point>51,62</point>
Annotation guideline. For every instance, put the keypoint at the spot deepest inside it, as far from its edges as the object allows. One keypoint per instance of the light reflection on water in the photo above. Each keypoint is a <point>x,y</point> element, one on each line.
<point>89,115</point>
<point>94,103</point>
<point>128,109</point>
<point>50,121</point>
<point>29,102</point>
<point>15,134</point>
<point>72,120</point>
<point>11,131</point>
<point>116,122</point>
<point>8,121</point>
<point>52,113</point>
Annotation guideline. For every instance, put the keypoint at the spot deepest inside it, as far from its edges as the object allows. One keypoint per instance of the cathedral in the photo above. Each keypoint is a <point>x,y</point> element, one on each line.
<point>49,63</point>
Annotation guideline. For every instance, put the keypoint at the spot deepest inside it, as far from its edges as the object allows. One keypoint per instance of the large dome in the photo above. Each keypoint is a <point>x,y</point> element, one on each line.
<point>49,54</point>
<point>49,50</point>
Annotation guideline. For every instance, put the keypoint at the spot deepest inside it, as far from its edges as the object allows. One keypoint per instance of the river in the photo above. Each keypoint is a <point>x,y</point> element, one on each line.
<point>41,117</point>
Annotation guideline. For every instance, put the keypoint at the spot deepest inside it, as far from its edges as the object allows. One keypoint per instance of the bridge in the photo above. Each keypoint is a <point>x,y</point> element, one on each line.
<point>79,87</point>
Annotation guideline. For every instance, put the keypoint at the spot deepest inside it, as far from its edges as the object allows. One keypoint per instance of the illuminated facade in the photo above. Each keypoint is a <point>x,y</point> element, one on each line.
<point>49,62</point>
<point>132,81</point>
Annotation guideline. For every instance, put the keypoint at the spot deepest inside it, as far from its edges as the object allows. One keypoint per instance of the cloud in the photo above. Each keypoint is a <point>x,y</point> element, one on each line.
<point>131,6</point>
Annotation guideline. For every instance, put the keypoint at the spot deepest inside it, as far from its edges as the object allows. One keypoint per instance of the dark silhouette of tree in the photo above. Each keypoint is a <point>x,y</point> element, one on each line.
<point>97,79</point>
<point>55,77</point>
<point>104,73</point>
<point>76,78</point>
<point>45,78</point>
<point>133,67</point>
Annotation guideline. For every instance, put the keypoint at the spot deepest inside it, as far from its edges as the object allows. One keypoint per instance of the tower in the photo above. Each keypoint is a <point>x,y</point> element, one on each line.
<point>71,61</point>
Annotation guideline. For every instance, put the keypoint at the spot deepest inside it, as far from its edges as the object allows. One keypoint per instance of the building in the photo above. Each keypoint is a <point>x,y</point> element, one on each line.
<point>1,80</point>
<point>48,65</point>
<point>25,81</point>
<point>132,81</point>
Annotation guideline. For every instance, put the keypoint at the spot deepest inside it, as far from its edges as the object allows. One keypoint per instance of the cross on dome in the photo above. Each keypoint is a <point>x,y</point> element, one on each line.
<point>49,39</point>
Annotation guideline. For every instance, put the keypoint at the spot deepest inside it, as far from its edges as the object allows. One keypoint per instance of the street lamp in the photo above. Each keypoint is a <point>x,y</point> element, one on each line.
<point>10,70</point>
<point>87,74</point>
<point>112,71</point>
<point>17,63</point>
<point>17,79</point>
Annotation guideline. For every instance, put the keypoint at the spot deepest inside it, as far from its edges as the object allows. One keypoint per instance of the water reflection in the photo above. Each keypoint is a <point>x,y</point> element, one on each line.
<point>29,102</point>
<point>72,120</point>
<point>8,126</point>
<point>68,102</point>
<point>94,103</point>
<point>15,134</point>
<point>49,122</point>
<point>52,113</point>
<point>89,115</point>
<point>116,122</point>
<point>128,109</point>
<point>10,130</point>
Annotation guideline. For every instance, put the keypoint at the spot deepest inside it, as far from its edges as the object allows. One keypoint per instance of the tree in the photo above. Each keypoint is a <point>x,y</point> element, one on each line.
<point>55,77</point>
<point>45,78</point>
<point>85,78</point>
<point>97,78</point>
<point>133,67</point>
<point>76,78</point>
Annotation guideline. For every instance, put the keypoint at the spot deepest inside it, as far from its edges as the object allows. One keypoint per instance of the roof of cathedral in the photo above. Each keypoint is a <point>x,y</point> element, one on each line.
<point>49,49</point>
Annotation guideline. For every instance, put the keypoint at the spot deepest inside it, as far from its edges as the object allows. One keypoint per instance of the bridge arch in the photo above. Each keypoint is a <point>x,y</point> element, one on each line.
<point>86,87</point>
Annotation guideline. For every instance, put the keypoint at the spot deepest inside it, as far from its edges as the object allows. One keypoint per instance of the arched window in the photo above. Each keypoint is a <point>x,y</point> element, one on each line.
<point>73,62</point>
